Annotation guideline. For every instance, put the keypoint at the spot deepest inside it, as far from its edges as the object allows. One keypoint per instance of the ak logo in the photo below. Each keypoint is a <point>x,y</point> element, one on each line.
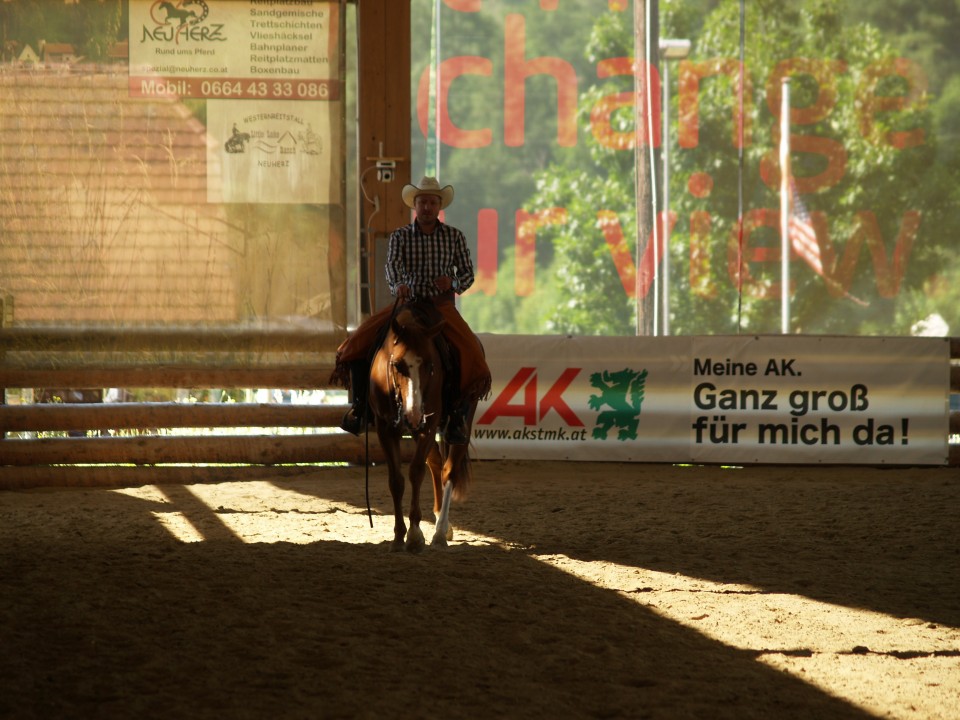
<point>622,392</point>
<point>521,398</point>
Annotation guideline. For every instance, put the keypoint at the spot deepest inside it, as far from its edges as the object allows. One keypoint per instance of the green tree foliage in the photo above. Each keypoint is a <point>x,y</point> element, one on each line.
<point>927,32</point>
<point>99,27</point>
<point>498,176</point>
<point>878,178</point>
<point>91,26</point>
<point>591,299</point>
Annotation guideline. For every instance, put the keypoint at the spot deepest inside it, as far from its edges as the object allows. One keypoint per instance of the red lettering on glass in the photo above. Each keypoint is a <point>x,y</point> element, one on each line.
<point>869,104</point>
<point>824,73</point>
<point>753,220</point>
<point>464,5</point>
<point>688,102</point>
<point>832,150</point>
<point>488,252</point>
<point>525,257</point>
<point>547,5</point>
<point>516,71</point>
<point>623,259</point>
<point>889,272</point>
<point>700,283</point>
<point>606,106</point>
<point>450,70</point>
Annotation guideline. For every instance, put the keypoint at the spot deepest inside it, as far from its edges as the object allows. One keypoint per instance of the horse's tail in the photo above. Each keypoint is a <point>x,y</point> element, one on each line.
<point>462,474</point>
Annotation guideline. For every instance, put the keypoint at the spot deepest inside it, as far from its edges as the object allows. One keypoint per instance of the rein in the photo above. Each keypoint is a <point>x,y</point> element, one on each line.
<point>395,390</point>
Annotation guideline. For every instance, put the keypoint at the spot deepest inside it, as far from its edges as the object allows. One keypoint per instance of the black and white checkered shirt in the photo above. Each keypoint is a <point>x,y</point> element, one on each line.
<point>416,259</point>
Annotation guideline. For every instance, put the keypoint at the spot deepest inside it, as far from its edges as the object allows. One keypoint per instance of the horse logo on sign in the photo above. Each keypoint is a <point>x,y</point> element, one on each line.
<point>180,13</point>
<point>621,391</point>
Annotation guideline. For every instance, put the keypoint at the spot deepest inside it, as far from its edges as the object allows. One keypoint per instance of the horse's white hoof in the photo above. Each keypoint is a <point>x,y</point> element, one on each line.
<point>438,541</point>
<point>415,540</point>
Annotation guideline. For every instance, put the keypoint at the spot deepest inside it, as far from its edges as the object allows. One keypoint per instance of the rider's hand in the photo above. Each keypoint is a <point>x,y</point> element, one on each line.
<point>403,292</point>
<point>443,283</point>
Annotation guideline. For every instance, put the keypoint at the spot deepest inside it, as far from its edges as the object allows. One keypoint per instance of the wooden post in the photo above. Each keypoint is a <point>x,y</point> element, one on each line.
<point>384,123</point>
<point>6,318</point>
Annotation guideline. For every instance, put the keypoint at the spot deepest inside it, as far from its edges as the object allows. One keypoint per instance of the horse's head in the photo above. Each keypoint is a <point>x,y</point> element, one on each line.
<point>415,373</point>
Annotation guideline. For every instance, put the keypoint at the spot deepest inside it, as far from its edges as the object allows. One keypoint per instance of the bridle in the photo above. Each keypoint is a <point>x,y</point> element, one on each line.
<point>396,390</point>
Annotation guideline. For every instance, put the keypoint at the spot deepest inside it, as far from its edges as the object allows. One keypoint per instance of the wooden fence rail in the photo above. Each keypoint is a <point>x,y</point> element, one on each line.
<point>200,358</point>
<point>134,416</point>
<point>159,449</point>
<point>168,340</point>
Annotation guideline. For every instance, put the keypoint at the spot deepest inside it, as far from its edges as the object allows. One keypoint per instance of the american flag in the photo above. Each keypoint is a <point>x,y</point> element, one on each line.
<point>803,238</point>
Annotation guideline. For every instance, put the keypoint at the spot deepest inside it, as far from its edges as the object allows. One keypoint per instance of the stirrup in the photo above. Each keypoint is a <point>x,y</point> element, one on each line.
<point>352,423</point>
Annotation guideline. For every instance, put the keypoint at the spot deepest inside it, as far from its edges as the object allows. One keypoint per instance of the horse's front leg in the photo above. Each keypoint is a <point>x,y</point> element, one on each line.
<point>435,465</point>
<point>442,491</point>
<point>444,530</point>
<point>453,472</point>
<point>418,466</point>
<point>390,442</point>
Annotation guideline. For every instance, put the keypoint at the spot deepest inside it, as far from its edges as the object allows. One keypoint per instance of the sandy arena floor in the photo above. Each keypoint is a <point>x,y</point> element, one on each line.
<point>571,590</point>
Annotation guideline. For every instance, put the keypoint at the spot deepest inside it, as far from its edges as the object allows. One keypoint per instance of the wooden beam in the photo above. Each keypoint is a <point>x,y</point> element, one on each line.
<point>116,416</point>
<point>211,449</point>
<point>21,478</point>
<point>186,376</point>
<point>205,340</point>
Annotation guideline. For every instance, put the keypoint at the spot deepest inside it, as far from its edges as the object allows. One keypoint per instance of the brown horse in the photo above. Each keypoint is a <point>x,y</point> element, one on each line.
<point>406,397</point>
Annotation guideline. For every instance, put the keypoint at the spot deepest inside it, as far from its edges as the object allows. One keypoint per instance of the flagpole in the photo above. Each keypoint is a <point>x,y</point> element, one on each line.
<point>785,174</point>
<point>431,165</point>
<point>439,94</point>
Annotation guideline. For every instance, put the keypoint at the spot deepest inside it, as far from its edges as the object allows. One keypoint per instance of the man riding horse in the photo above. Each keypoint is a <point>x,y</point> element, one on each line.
<point>426,260</point>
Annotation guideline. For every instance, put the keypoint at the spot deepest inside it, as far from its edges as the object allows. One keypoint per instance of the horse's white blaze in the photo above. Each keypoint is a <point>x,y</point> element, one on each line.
<point>413,402</point>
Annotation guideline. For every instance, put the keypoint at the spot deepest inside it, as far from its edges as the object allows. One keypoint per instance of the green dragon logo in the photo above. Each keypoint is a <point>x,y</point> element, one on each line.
<point>623,392</point>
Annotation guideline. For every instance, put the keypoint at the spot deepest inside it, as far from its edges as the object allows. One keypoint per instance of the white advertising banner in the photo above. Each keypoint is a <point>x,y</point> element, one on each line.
<point>717,399</point>
<point>235,49</point>
<point>277,152</point>
<point>270,74</point>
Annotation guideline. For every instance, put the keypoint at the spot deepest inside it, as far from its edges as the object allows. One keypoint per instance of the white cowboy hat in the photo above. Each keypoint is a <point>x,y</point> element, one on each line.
<point>428,186</point>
